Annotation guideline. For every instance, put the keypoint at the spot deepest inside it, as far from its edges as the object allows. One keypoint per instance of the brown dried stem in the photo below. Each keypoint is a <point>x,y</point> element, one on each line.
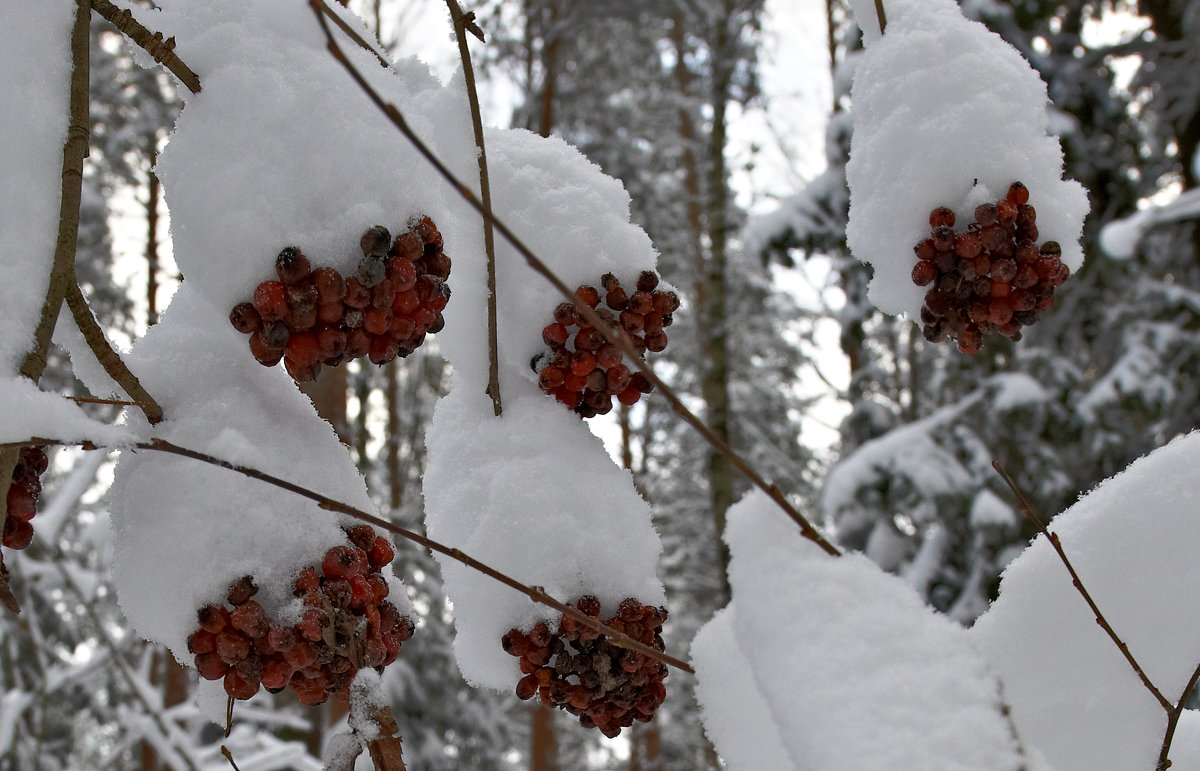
<point>386,751</point>
<point>882,16</point>
<point>619,339</point>
<point>1077,582</point>
<point>1173,715</point>
<point>108,358</point>
<point>352,34</point>
<point>535,593</point>
<point>464,22</point>
<point>163,51</point>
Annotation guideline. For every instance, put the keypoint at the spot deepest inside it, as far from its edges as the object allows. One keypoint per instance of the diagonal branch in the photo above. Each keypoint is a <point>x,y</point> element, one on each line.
<point>108,358</point>
<point>807,529</point>
<point>535,593</point>
<point>1023,504</point>
<point>163,51</point>
<point>464,22</point>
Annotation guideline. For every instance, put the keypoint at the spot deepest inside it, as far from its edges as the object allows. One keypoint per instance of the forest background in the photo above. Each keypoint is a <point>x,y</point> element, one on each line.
<point>658,95</point>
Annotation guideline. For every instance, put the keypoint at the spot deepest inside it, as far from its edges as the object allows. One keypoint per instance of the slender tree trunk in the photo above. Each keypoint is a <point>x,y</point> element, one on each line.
<point>549,71</point>
<point>395,472</point>
<point>715,385</point>
<point>543,749</point>
<point>152,239</point>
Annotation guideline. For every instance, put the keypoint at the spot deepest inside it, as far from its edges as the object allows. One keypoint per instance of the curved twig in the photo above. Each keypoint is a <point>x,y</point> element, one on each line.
<point>464,22</point>
<point>152,43</point>
<point>108,358</point>
<point>807,529</point>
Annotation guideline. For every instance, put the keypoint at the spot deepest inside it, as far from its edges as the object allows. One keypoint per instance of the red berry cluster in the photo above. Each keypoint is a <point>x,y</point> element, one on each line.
<point>346,624</point>
<point>584,371</point>
<point>579,670</point>
<point>993,277</point>
<point>313,317</point>
<point>23,495</point>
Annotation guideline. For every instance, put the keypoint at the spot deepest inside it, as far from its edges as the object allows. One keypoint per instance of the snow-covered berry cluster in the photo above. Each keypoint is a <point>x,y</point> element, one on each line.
<point>347,623</point>
<point>583,370</point>
<point>23,496</point>
<point>312,317</point>
<point>579,670</point>
<point>992,277</point>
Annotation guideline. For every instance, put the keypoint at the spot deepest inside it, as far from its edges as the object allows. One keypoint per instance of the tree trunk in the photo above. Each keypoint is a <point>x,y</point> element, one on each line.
<point>152,240</point>
<point>543,744</point>
<point>715,385</point>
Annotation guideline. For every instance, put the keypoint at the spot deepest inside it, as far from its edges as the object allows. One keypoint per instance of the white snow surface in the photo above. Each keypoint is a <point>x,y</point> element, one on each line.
<point>945,114</point>
<point>737,718</point>
<point>280,148</point>
<point>856,672</point>
<point>573,217</point>
<point>35,57</point>
<point>534,495</point>
<point>1073,694</point>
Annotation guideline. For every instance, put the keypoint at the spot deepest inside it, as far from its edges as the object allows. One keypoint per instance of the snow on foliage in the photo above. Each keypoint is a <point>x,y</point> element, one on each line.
<point>277,150</point>
<point>855,671</point>
<point>533,493</point>
<point>1073,695</point>
<point>945,114</point>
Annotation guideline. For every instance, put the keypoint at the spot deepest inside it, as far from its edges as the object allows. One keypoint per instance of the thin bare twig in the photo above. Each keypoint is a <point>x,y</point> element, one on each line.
<point>882,16</point>
<point>108,358</point>
<point>1164,761</point>
<point>535,593</point>
<point>350,33</point>
<point>1027,510</point>
<point>462,23</point>
<point>152,43</point>
<point>623,341</point>
<point>117,402</point>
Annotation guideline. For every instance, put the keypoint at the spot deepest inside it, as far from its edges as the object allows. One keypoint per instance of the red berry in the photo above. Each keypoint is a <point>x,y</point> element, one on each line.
<point>344,561</point>
<point>238,686</point>
<point>270,300</point>
<point>923,273</point>
<point>589,295</point>
<point>291,265</point>
<point>381,553</point>
<point>1018,194</point>
<point>245,318</point>
<point>941,217</point>
<point>211,667</point>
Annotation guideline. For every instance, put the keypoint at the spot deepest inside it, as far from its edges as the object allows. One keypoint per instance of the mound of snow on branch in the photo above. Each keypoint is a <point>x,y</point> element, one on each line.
<point>854,670</point>
<point>1072,693</point>
<point>945,114</point>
